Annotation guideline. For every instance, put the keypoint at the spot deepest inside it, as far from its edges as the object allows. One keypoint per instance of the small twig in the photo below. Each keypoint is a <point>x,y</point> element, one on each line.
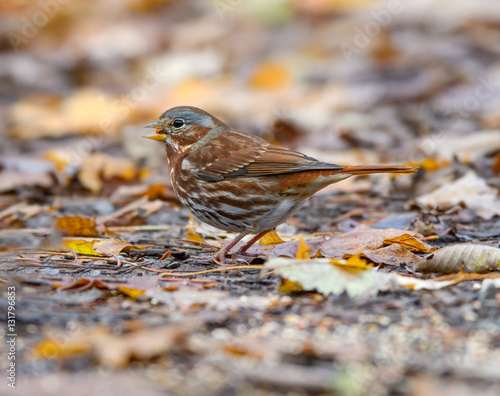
<point>165,255</point>
<point>225,268</point>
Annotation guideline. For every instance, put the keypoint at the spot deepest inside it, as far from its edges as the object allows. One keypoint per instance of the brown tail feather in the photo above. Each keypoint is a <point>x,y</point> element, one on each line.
<point>367,169</point>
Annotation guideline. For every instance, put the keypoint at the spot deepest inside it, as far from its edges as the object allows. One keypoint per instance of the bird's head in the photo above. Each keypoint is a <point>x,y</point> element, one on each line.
<point>181,127</point>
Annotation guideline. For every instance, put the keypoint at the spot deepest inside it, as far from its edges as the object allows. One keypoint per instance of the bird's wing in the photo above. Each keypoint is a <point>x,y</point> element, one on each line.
<point>260,160</point>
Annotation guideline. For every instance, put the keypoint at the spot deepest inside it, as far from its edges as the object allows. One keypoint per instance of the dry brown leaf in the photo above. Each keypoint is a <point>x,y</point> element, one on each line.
<point>391,255</point>
<point>468,257</point>
<point>410,242</point>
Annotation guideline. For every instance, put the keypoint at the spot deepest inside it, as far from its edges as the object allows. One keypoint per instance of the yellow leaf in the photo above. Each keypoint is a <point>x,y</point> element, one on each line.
<point>112,246</point>
<point>191,234</point>
<point>51,349</point>
<point>287,286</point>
<point>131,292</point>
<point>76,225</point>
<point>271,238</point>
<point>270,76</point>
<point>82,247</point>
<point>303,251</point>
<point>353,263</point>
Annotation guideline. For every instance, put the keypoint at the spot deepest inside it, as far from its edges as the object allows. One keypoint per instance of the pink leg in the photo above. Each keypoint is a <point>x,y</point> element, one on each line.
<point>222,253</point>
<point>247,245</point>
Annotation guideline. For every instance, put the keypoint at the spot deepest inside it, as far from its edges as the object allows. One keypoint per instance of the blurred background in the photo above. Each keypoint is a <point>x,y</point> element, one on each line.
<point>348,81</point>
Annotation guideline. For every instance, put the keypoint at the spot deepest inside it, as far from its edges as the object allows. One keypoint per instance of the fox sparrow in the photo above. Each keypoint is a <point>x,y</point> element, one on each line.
<point>238,182</point>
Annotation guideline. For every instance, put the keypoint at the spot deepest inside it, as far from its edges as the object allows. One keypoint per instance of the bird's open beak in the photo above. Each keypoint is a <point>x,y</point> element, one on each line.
<point>155,136</point>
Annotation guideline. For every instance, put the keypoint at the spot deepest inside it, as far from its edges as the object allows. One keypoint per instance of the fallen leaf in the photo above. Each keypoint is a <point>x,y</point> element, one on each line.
<point>391,255</point>
<point>303,251</point>
<point>130,291</point>
<point>287,286</point>
<point>82,284</point>
<point>363,240</point>
<point>327,277</point>
<point>466,257</point>
<point>77,226</point>
<point>81,247</point>
<point>271,238</point>
<point>410,242</point>
<point>358,280</point>
<point>113,246</point>
<point>191,234</point>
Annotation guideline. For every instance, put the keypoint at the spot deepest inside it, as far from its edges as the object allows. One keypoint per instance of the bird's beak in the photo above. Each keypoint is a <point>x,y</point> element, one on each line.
<point>155,136</point>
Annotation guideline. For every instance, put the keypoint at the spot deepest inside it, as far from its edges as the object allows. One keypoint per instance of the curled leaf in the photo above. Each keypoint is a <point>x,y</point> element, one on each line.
<point>410,242</point>
<point>466,257</point>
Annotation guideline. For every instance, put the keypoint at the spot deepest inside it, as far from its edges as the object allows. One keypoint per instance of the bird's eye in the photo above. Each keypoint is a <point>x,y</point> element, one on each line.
<point>178,123</point>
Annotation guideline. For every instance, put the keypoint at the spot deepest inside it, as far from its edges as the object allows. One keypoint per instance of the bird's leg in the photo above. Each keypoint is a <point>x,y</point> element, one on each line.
<point>222,253</point>
<point>247,245</point>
